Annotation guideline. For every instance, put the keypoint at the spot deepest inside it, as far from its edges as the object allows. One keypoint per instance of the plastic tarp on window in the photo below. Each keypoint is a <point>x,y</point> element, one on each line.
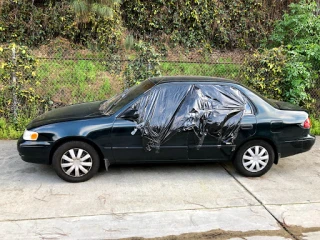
<point>206,109</point>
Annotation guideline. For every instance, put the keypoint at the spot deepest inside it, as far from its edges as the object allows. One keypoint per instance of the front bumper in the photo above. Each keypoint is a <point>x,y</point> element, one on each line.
<point>289,148</point>
<point>34,151</point>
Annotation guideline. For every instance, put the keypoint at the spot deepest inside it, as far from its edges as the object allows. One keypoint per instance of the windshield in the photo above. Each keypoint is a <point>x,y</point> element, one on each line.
<point>115,103</point>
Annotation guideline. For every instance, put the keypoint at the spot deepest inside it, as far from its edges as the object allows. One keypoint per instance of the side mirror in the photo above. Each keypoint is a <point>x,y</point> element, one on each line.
<point>130,114</point>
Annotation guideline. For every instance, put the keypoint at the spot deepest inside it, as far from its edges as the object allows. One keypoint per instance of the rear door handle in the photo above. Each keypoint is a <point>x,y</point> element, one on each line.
<point>246,126</point>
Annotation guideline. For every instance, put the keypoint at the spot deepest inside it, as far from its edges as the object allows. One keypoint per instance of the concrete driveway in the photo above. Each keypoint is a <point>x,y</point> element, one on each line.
<point>190,201</point>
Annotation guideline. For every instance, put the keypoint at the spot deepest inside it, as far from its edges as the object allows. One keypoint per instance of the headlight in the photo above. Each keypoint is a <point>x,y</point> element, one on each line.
<point>29,135</point>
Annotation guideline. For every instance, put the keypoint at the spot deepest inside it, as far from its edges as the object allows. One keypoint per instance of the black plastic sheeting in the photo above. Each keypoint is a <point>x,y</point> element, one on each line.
<point>206,109</point>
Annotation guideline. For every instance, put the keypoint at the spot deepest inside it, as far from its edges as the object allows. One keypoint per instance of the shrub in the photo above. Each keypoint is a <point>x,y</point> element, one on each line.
<point>289,66</point>
<point>315,128</point>
<point>23,23</point>
<point>9,130</point>
<point>97,33</point>
<point>280,74</point>
<point>298,27</point>
<point>145,65</point>
<point>18,81</point>
<point>222,24</point>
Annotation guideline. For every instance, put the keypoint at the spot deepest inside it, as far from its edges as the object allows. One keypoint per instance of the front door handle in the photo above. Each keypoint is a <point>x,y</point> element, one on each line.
<point>246,126</point>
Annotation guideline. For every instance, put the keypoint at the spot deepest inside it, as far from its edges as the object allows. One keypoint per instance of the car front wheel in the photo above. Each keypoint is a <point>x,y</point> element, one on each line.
<point>254,158</point>
<point>76,161</point>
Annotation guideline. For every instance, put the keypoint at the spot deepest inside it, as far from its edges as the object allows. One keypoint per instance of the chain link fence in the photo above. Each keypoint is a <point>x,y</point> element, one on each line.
<point>62,80</point>
<point>68,80</point>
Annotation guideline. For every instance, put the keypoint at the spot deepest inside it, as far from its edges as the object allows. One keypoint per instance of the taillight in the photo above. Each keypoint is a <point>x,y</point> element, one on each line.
<point>307,123</point>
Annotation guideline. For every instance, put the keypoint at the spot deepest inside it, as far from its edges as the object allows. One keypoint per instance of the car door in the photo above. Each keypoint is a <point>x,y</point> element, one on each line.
<point>148,137</point>
<point>213,146</point>
<point>248,125</point>
<point>125,146</point>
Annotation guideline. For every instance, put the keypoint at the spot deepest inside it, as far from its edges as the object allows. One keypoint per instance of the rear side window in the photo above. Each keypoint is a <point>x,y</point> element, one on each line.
<point>248,105</point>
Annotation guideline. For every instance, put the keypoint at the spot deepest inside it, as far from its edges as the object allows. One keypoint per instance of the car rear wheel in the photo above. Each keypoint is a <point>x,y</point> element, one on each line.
<point>254,158</point>
<point>76,161</point>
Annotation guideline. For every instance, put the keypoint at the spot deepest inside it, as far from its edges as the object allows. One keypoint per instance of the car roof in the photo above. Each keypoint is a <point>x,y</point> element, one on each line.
<point>158,80</point>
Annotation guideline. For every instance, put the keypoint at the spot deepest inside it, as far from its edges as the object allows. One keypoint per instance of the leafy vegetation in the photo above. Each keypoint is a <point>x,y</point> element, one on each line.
<point>290,65</point>
<point>145,65</point>
<point>298,27</point>
<point>9,130</point>
<point>18,81</point>
<point>100,24</point>
<point>24,23</point>
<point>200,69</point>
<point>281,75</point>
<point>68,83</point>
<point>217,24</point>
<point>102,8</point>
<point>315,128</point>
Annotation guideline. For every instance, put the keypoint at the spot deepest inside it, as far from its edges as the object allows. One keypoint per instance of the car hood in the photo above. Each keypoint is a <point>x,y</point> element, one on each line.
<point>286,106</point>
<point>68,113</point>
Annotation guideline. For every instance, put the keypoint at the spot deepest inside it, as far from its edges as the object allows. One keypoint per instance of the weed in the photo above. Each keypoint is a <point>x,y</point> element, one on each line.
<point>73,81</point>
<point>200,69</point>
<point>315,128</point>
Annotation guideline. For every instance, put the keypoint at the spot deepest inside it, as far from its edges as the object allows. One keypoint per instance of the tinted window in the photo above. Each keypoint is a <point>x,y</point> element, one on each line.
<point>248,109</point>
<point>117,102</point>
<point>270,101</point>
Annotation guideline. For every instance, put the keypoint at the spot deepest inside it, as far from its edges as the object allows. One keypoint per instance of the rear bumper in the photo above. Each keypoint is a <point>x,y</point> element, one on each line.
<point>34,151</point>
<point>289,148</point>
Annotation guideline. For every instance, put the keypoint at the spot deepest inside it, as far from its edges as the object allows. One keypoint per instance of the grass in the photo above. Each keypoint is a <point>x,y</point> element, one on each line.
<point>196,69</point>
<point>71,81</point>
<point>315,128</point>
<point>62,82</point>
<point>9,130</point>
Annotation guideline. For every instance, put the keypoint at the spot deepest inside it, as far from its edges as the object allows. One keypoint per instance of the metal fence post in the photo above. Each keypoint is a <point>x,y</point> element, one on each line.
<point>14,85</point>
<point>149,69</point>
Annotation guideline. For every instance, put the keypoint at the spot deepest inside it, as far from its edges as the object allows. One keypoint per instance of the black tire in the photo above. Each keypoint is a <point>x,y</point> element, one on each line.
<point>240,159</point>
<point>62,150</point>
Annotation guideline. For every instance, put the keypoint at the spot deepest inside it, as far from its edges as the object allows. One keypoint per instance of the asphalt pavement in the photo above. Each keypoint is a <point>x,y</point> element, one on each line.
<point>189,201</point>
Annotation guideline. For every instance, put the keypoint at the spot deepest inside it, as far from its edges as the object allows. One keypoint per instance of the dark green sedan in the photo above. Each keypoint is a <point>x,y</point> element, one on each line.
<point>169,119</point>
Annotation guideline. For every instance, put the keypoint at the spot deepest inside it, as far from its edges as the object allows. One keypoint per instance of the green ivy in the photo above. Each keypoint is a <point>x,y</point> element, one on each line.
<point>26,24</point>
<point>23,23</point>
<point>18,84</point>
<point>145,65</point>
<point>193,23</point>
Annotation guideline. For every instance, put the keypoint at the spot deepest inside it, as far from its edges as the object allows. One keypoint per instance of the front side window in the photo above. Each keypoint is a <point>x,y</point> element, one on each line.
<point>119,101</point>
